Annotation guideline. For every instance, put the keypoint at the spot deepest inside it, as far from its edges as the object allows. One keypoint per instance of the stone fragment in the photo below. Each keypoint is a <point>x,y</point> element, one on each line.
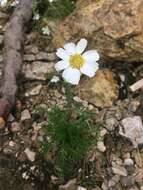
<point>25,115</point>
<point>111,123</point>
<point>34,91</point>
<point>29,57</point>
<point>127,181</point>
<point>81,188</point>
<point>71,185</point>
<point>46,56</point>
<point>107,24</point>
<point>132,128</point>
<point>37,70</point>
<point>30,154</point>
<point>101,90</point>
<point>128,162</point>
<point>119,170</point>
<point>31,49</point>
<point>101,147</point>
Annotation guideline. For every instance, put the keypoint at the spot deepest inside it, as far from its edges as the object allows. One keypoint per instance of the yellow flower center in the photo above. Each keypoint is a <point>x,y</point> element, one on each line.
<point>76,61</point>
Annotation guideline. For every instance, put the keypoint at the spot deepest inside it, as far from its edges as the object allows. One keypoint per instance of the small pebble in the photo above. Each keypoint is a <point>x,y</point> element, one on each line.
<point>30,154</point>
<point>81,188</point>
<point>101,147</point>
<point>25,115</point>
<point>128,162</point>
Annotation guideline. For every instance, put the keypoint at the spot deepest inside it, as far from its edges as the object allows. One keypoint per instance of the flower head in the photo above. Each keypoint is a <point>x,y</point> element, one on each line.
<point>46,30</point>
<point>74,62</point>
<point>55,79</point>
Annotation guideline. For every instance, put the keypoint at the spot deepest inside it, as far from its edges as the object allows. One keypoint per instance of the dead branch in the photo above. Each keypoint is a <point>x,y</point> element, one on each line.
<point>136,86</point>
<point>13,48</point>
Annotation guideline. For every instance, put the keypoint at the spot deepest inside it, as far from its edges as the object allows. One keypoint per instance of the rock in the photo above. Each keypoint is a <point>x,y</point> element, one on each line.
<point>114,28</point>
<point>119,170</point>
<point>101,147</point>
<point>111,123</point>
<point>113,181</point>
<point>103,132</point>
<point>29,57</point>
<point>11,143</point>
<point>104,186</point>
<point>31,49</point>
<point>46,56</point>
<point>81,188</point>
<point>95,90</point>
<point>37,70</point>
<point>132,128</point>
<point>34,91</point>
<point>134,188</point>
<point>138,176</point>
<point>71,185</point>
<point>30,154</point>
<point>25,115</point>
<point>127,181</point>
<point>128,162</point>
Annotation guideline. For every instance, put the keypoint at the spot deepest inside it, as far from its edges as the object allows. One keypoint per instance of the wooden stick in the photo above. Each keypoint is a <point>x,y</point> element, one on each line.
<point>136,86</point>
<point>13,48</point>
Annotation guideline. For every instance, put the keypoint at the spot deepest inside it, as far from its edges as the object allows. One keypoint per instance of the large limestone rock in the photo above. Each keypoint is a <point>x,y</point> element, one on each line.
<point>101,90</point>
<point>113,27</point>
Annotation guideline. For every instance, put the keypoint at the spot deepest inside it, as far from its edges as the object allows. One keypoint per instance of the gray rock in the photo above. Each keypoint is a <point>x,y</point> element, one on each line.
<point>29,57</point>
<point>46,56</point>
<point>132,128</point>
<point>30,154</point>
<point>71,185</point>
<point>31,49</point>
<point>119,170</point>
<point>127,181</point>
<point>111,123</point>
<point>37,70</point>
<point>34,91</point>
<point>25,115</point>
<point>128,162</point>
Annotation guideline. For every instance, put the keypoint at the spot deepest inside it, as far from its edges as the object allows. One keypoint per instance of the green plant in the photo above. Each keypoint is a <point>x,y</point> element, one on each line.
<point>57,9</point>
<point>72,132</point>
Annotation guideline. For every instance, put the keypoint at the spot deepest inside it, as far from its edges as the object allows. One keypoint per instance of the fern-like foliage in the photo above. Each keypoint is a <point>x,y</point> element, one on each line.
<point>73,136</point>
<point>57,9</point>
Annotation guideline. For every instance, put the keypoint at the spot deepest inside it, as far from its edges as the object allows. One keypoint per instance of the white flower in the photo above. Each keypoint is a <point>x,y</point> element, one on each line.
<point>3,3</point>
<point>36,17</point>
<point>55,79</point>
<point>45,30</point>
<point>74,62</point>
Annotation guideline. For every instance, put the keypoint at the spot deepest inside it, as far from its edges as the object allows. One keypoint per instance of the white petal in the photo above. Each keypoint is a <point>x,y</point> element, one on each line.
<point>70,48</point>
<point>61,53</point>
<point>61,65</point>
<point>71,75</point>
<point>89,69</point>
<point>81,45</point>
<point>91,56</point>
<point>95,65</point>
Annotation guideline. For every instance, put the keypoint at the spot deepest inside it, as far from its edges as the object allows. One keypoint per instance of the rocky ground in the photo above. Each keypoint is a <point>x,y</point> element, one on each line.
<point>116,164</point>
